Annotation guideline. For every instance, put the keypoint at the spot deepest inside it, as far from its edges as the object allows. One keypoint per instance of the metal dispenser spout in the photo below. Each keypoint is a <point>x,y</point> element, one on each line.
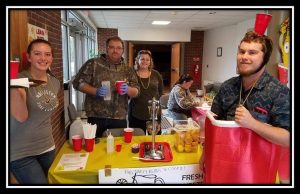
<point>153,153</point>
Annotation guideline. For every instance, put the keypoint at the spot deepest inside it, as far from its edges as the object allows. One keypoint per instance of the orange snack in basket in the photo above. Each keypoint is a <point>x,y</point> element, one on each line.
<point>180,148</point>
<point>188,147</point>
<point>188,139</point>
<point>194,148</point>
<point>195,136</point>
<point>194,143</point>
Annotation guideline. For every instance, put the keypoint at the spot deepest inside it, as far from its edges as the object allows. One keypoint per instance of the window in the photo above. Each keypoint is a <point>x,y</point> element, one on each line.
<point>65,55</point>
<point>78,45</point>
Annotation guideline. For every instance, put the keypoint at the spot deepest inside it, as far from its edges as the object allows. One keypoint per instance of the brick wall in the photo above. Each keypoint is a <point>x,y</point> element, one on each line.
<point>51,20</point>
<point>103,34</point>
<point>194,50</point>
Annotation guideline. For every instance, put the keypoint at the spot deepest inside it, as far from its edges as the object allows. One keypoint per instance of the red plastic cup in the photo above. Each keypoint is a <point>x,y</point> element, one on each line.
<point>128,132</point>
<point>283,74</point>
<point>261,23</point>
<point>89,144</point>
<point>14,69</point>
<point>118,85</point>
<point>77,142</point>
<point>118,147</point>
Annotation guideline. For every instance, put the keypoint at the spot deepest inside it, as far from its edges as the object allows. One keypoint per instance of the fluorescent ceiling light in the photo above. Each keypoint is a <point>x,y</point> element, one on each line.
<point>160,22</point>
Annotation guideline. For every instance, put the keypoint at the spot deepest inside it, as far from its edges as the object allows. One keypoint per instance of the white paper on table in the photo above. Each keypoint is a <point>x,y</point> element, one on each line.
<point>76,161</point>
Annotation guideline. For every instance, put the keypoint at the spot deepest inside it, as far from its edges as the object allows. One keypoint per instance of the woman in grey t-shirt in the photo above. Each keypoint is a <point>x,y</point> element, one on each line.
<point>32,148</point>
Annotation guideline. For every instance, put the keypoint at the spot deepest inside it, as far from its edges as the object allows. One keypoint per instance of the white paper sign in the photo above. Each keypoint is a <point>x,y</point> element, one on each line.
<point>35,32</point>
<point>178,174</point>
<point>72,162</point>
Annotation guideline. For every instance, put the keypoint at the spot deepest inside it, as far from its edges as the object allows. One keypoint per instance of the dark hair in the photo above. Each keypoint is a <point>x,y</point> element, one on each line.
<point>184,77</point>
<point>267,44</point>
<point>37,41</point>
<point>114,38</point>
<point>142,52</point>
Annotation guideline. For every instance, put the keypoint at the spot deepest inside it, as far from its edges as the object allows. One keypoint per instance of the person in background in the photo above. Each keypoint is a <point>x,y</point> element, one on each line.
<point>32,148</point>
<point>151,85</point>
<point>255,99</point>
<point>109,68</point>
<point>181,101</point>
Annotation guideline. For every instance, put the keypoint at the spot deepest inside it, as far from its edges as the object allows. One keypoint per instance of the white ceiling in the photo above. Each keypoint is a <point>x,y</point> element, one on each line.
<point>180,19</point>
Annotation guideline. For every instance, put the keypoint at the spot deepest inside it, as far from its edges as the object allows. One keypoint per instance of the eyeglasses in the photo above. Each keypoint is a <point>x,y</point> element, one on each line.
<point>145,52</point>
<point>115,48</point>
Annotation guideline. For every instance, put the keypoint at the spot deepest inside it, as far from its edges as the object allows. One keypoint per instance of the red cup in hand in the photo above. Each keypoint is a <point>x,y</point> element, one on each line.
<point>128,132</point>
<point>118,85</point>
<point>14,69</point>
<point>77,142</point>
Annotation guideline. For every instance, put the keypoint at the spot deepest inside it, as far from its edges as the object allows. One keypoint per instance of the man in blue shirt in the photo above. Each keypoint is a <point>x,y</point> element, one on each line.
<point>255,99</point>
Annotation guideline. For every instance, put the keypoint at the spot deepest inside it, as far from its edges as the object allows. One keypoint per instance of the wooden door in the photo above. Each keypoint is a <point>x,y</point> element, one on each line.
<point>175,63</point>
<point>18,35</point>
<point>130,54</point>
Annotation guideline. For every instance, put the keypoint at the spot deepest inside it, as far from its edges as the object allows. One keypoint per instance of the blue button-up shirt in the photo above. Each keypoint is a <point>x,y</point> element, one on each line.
<point>268,102</point>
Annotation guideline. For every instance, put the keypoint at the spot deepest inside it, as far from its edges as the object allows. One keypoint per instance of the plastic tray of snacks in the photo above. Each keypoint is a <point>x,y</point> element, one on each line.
<point>187,135</point>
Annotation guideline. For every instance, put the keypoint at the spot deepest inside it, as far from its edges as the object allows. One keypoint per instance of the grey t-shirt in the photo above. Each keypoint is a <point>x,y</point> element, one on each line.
<point>34,136</point>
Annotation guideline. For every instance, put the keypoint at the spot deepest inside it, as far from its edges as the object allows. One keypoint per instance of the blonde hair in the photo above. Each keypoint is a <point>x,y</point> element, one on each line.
<point>137,58</point>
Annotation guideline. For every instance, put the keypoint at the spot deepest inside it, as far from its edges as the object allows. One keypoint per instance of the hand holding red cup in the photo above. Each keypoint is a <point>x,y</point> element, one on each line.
<point>122,87</point>
<point>118,86</point>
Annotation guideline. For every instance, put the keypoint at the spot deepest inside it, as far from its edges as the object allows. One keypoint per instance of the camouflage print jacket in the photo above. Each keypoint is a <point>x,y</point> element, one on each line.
<point>96,70</point>
<point>181,100</point>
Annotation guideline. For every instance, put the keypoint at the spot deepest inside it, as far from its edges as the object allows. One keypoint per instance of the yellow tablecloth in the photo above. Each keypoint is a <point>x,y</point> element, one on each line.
<point>124,159</point>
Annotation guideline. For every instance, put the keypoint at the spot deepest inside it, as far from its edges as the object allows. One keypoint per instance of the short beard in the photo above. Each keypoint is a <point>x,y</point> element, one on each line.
<point>252,72</point>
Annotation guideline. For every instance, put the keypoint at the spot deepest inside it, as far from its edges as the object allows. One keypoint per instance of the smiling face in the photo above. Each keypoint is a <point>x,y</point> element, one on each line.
<point>249,58</point>
<point>40,56</point>
<point>144,61</point>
